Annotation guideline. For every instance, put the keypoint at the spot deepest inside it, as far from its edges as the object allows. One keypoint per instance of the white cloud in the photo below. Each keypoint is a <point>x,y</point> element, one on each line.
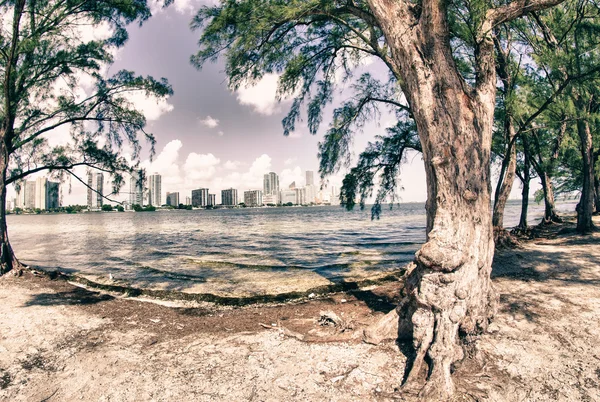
<point>153,108</point>
<point>261,96</point>
<point>288,176</point>
<point>199,167</point>
<point>232,165</point>
<point>290,161</point>
<point>209,122</point>
<point>181,6</point>
<point>221,133</point>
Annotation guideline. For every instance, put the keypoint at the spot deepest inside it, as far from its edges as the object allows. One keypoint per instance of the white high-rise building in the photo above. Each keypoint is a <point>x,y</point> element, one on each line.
<point>173,199</point>
<point>310,193</point>
<point>155,189</point>
<point>271,184</point>
<point>41,188</point>
<point>95,190</point>
<point>271,188</point>
<point>136,187</point>
<point>310,178</point>
<point>26,195</point>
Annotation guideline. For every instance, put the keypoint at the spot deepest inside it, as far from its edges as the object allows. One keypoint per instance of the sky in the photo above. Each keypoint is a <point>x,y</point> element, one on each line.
<point>209,136</point>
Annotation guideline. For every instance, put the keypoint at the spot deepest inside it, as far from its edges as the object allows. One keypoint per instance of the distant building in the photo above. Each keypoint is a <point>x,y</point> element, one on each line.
<point>30,194</point>
<point>300,196</point>
<point>173,199</point>
<point>253,198</point>
<point>188,200</point>
<point>310,178</point>
<point>155,189</point>
<point>292,186</point>
<point>136,187</point>
<point>26,195</point>
<point>212,200</point>
<point>271,184</point>
<point>229,197</point>
<point>200,197</point>
<point>41,188</point>
<point>310,194</point>
<point>95,190</point>
<point>335,196</point>
<point>287,196</point>
<point>271,199</point>
<point>41,194</point>
<point>52,195</point>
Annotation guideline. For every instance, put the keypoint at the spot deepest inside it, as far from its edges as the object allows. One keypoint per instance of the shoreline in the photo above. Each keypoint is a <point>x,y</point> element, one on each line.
<point>220,299</point>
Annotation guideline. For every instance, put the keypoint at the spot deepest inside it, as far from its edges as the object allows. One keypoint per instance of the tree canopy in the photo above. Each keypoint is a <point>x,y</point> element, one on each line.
<point>53,76</point>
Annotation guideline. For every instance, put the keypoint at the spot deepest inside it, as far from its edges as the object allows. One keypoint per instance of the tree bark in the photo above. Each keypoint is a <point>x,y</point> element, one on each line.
<point>550,215</point>
<point>506,181</point>
<point>526,179</point>
<point>8,261</point>
<point>586,203</point>
<point>449,290</point>
<point>597,193</point>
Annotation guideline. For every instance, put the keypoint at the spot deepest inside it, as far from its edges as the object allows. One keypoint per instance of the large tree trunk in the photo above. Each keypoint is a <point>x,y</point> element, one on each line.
<point>586,203</point>
<point>8,261</point>
<point>449,290</point>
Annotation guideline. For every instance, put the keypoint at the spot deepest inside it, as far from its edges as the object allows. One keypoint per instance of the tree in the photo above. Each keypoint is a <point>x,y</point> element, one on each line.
<point>46,52</point>
<point>424,44</point>
<point>107,208</point>
<point>568,54</point>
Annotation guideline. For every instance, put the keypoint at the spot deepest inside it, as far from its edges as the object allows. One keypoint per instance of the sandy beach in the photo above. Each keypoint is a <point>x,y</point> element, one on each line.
<point>60,342</point>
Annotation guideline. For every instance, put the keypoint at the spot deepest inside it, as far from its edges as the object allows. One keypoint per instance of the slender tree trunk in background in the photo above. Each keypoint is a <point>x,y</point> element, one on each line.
<point>550,214</point>
<point>597,193</point>
<point>509,163</point>
<point>586,203</point>
<point>8,261</point>
<point>450,289</point>
<point>507,178</point>
<point>526,179</point>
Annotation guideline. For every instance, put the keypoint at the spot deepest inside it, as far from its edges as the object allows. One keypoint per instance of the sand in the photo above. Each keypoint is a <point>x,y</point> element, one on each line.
<point>59,342</point>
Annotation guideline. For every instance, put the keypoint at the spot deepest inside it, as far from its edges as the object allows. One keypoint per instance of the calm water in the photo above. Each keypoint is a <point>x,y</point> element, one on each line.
<point>230,248</point>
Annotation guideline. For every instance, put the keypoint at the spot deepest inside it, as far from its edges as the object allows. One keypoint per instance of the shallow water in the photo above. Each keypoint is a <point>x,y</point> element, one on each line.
<point>245,251</point>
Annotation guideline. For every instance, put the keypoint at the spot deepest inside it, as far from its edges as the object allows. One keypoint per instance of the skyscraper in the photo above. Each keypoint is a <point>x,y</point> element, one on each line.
<point>155,189</point>
<point>136,187</point>
<point>95,190</point>
<point>212,200</point>
<point>200,197</point>
<point>229,197</point>
<point>29,200</point>
<point>41,188</point>
<point>271,188</point>
<point>173,199</point>
<point>271,184</point>
<point>310,178</point>
<point>52,195</point>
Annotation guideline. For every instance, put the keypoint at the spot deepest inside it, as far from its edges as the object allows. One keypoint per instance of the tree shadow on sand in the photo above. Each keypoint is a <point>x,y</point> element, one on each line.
<point>76,296</point>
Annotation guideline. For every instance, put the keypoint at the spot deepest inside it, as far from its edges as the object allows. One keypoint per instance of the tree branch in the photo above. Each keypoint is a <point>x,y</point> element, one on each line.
<point>516,9</point>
